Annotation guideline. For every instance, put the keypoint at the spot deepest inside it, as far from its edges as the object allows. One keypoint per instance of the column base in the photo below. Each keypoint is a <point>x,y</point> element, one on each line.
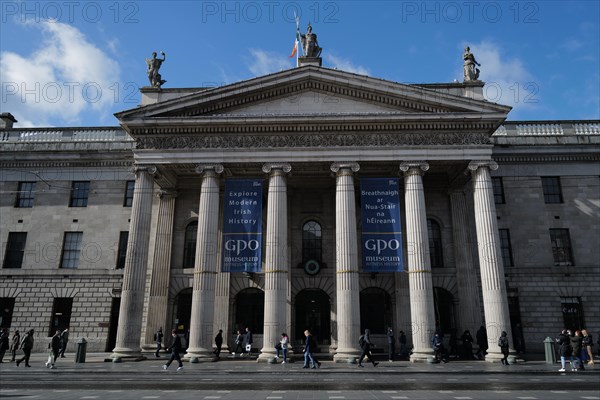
<point>121,354</point>
<point>350,357</point>
<point>266,356</point>
<point>199,357</point>
<point>422,357</point>
<point>494,357</point>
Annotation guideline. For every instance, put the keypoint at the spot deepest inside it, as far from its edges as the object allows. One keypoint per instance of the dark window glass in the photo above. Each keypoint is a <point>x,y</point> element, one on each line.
<point>435,243</point>
<point>7,306</point>
<point>561,247</point>
<point>506,248</point>
<point>498,188</point>
<point>122,251</point>
<point>552,189</point>
<point>129,186</point>
<point>375,310</point>
<point>79,194</point>
<point>15,250</point>
<point>189,245</point>
<point>572,311</point>
<point>61,314</point>
<point>311,242</point>
<point>71,250</point>
<point>25,195</point>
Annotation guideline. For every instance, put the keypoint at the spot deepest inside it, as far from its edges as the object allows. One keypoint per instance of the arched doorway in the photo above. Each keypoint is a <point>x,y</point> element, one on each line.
<point>313,312</point>
<point>375,310</point>
<point>444,310</point>
<point>249,310</point>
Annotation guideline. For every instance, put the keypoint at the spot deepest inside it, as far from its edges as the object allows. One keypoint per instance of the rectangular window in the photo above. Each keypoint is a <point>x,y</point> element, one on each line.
<point>61,314</point>
<point>79,193</point>
<point>506,248</point>
<point>129,186</point>
<point>71,250</point>
<point>15,250</point>
<point>552,190</point>
<point>561,247</point>
<point>7,306</point>
<point>572,311</point>
<point>498,189</point>
<point>25,195</point>
<point>122,251</point>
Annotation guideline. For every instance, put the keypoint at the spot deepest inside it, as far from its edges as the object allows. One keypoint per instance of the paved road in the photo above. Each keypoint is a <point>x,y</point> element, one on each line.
<point>246,379</point>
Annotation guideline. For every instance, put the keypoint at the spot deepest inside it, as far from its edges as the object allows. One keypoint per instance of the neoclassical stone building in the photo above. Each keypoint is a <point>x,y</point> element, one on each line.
<point>116,231</point>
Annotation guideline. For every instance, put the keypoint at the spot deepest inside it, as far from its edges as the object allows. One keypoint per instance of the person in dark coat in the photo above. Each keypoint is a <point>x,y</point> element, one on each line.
<point>564,349</point>
<point>16,341</point>
<point>482,342</point>
<point>308,348</point>
<point>4,343</point>
<point>218,342</point>
<point>402,340</point>
<point>64,339</point>
<point>158,338</point>
<point>437,343</point>
<point>239,340</point>
<point>576,362</point>
<point>365,345</point>
<point>391,339</point>
<point>26,346</point>
<point>467,345</point>
<point>55,347</point>
<point>504,345</point>
<point>249,340</point>
<point>176,348</point>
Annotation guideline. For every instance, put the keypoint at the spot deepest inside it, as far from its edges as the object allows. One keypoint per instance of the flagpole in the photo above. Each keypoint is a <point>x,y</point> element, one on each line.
<point>297,37</point>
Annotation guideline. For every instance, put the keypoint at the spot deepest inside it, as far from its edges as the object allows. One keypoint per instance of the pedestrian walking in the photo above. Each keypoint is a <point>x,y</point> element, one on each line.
<point>482,342</point>
<point>248,341</point>
<point>576,362</point>
<point>158,338</point>
<point>26,345</point>
<point>218,343</point>
<point>55,348</point>
<point>64,339</point>
<point>16,341</point>
<point>4,343</point>
<point>365,344</point>
<point>586,343</point>
<point>391,339</point>
<point>308,347</point>
<point>437,343</point>
<point>176,348</point>
<point>564,349</point>
<point>239,340</point>
<point>283,346</point>
<point>503,344</point>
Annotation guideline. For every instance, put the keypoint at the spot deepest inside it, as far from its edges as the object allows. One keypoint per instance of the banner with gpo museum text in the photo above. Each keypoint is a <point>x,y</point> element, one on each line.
<point>381,227</point>
<point>242,226</point>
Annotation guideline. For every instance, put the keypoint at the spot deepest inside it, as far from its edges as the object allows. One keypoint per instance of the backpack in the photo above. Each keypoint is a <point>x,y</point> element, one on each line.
<point>362,341</point>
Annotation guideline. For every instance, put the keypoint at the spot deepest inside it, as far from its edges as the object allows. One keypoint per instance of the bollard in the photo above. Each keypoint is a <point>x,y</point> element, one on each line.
<point>80,353</point>
<point>549,351</point>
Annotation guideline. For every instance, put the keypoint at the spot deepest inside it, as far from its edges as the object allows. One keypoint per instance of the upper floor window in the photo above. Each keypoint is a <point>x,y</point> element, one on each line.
<point>15,250</point>
<point>498,188</point>
<point>561,247</point>
<point>435,243</point>
<point>312,247</point>
<point>79,194</point>
<point>505,247</point>
<point>122,250</point>
<point>129,186</point>
<point>189,245</point>
<point>71,250</point>
<point>25,195</point>
<point>552,189</point>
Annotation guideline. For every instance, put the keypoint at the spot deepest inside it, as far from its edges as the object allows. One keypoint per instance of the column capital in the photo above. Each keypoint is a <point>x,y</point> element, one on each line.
<point>202,168</point>
<point>474,165</point>
<point>269,167</point>
<point>337,166</point>
<point>166,193</point>
<point>412,167</point>
<point>151,169</point>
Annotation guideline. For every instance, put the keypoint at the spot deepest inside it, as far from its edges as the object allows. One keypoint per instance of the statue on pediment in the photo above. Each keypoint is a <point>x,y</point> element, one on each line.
<point>471,71</point>
<point>310,46</point>
<point>153,67</point>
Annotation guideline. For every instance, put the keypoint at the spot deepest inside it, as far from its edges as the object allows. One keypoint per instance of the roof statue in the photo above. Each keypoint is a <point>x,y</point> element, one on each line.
<point>310,46</point>
<point>154,64</point>
<point>471,72</point>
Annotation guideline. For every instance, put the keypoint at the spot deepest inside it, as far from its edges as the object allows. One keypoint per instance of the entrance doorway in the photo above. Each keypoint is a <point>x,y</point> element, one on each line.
<point>113,324</point>
<point>313,312</point>
<point>444,310</point>
<point>183,311</point>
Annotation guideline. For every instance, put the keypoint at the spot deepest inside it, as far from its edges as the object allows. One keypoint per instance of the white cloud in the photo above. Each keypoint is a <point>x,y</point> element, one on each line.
<point>345,65</point>
<point>264,62</point>
<point>507,81</point>
<point>61,79</point>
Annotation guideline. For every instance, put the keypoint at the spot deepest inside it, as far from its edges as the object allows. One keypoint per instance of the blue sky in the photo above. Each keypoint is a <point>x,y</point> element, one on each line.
<point>76,63</point>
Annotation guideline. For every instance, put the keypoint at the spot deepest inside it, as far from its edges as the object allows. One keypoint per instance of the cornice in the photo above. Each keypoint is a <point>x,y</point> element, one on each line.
<point>126,163</point>
<point>544,158</point>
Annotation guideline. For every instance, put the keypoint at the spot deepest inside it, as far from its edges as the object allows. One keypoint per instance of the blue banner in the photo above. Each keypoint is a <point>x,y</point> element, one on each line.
<point>242,226</point>
<point>381,227</point>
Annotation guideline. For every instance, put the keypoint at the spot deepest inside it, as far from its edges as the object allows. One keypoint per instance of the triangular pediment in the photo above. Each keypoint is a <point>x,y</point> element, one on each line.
<point>312,91</point>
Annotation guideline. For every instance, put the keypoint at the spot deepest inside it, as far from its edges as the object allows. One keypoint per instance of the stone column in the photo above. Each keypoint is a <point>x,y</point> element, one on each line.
<point>469,309</point>
<point>277,265</point>
<point>495,302</point>
<point>402,314</point>
<point>205,267</point>
<point>346,264</point>
<point>419,264</point>
<point>136,260</point>
<point>161,270</point>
